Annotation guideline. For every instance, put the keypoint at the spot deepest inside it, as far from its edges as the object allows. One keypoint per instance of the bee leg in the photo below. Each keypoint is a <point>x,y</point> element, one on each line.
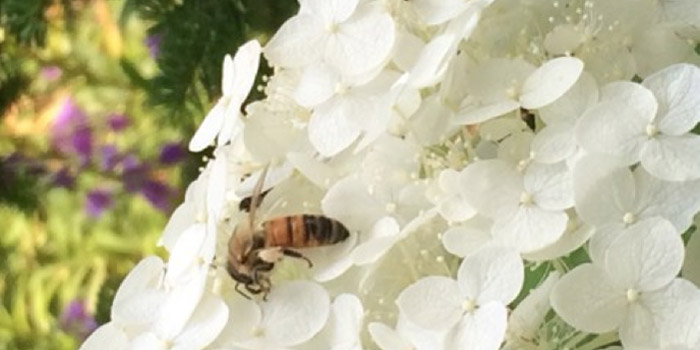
<point>295,254</point>
<point>241,292</point>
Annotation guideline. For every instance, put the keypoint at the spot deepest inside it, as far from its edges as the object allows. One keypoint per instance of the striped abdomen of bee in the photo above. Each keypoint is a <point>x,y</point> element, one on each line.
<point>303,231</point>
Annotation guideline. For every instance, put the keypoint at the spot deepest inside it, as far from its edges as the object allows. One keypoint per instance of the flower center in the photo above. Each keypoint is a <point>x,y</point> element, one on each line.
<point>257,332</point>
<point>526,198</point>
<point>632,295</point>
<point>332,27</point>
<point>629,218</point>
<point>652,130</point>
<point>469,305</point>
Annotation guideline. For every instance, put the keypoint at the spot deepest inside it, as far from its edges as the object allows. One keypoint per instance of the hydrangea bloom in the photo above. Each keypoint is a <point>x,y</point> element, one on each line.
<point>486,156</point>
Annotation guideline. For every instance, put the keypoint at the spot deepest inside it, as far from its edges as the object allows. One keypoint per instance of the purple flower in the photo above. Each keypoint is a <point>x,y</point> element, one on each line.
<point>97,201</point>
<point>75,320</point>
<point>70,132</point>
<point>158,194</point>
<point>134,173</point>
<point>50,73</point>
<point>63,178</point>
<point>152,42</point>
<point>109,157</point>
<point>117,122</point>
<point>171,153</point>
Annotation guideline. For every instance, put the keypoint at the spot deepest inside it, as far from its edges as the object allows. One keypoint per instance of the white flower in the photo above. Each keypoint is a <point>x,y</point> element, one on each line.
<point>224,119</point>
<point>611,198</point>
<point>629,289</point>
<point>342,332</point>
<point>293,313</point>
<point>406,336</point>
<point>453,206</point>
<point>557,141</point>
<point>501,86</point>
<point>353,38</point>
<point>649,123</point>
<point>472,308</point>
<point>527,209</point>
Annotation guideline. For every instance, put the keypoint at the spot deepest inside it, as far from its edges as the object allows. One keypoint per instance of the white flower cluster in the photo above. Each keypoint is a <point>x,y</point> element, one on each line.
<point>514,174</point>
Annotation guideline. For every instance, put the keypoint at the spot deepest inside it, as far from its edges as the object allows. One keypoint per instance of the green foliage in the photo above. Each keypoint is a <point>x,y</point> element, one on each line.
<point>18,186</point>
<point>25,20</point>
<point>194,37</point>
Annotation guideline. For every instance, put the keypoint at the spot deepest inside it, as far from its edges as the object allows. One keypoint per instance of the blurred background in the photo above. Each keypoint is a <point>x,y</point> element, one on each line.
<point>98,99</point>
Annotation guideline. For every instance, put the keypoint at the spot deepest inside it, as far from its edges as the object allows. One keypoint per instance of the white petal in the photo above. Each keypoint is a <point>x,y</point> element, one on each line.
<point>464,240</point>
<point>613,127</point>
<point>148,341</point>
<point>554,143</point>
<point>420,338</point>
<point>245,316</point>
<point>677,202</point>
<point>383,235</point>
<point>604,190</point>
<point>297,42</point>
<point>332,11</point>
<point>550,81</point>
<point>407,49</point>
<point>433,61</point>
<point>586,299</point>
<point>233,124</point>
<point>316,85</point>
<point>691,265</point>
<point>645,257</point>
<point>673,158</point>
<point>574,237</point>
<point>182,218</point>
<point>137,296</point>
<point>238,81</point>
<point>676,89</point>
<point>332,261</point>
<point>357,47</point>
<point>484,329</point>
<point>295,312</point>
<point>107,337</point>
<point>456,208</point>
<point>313,169</point>
<point>474,114</point>
<point>530,228</point>
<point>216,186</point>
<point>550,185</point>
<point>435,12</point>
<point>604,235</point>
<point>270,135</point>
<point>206,323</point>
<point>330,130</point>
<point>574,103</point>
<point>346,322</point>
<point>491,274</point>
<point>431,121</point>
<point>387,338</point>
<point>350,202</point>
<point>494,187</point>
<point>638,328</point>
<point>432,303</point>
<point>178,306</point>
<point>184,259</point>
<point>210,127</point>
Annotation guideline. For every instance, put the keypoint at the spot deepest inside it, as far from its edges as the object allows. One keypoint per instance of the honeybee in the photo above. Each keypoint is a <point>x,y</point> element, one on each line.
<point>253,251</point>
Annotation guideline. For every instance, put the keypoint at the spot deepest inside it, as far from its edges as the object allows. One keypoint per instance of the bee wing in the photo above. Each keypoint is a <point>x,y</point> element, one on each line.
<point>255,198</point>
